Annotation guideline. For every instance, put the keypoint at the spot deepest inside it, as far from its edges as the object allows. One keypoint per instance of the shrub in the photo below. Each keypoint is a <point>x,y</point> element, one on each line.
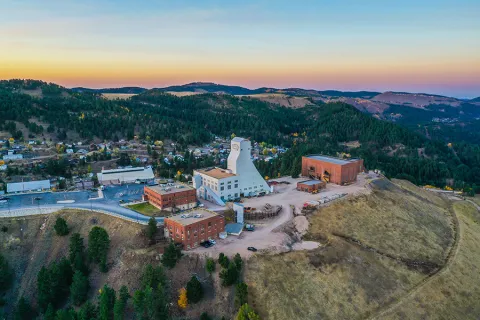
<point>61,227</point>
<point>182,299</point>
<point>241,294</point>
<point>210,265</point>
<point>230,275</point>
<point>152,228</point>
<point>194,290</point>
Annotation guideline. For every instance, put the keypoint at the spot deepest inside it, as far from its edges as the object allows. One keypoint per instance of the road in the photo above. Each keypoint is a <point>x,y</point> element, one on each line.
<point>86,200</point>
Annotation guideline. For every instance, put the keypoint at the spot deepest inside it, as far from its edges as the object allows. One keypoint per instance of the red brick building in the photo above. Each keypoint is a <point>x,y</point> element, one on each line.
<point>311,185</point>
<point>193,227</point>
<point>176,195</point>
<point>338,171</point>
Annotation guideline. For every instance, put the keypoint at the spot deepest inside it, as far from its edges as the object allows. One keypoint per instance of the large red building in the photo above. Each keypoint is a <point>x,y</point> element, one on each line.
<point>172,195</point>
<point>193,227</point>
<point>338,171</point>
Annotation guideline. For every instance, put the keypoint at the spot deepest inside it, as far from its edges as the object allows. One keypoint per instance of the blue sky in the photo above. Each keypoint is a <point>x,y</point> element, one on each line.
<point>427,46</point>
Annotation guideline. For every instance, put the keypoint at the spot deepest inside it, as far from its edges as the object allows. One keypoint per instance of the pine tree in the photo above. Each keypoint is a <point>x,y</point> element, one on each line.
<point>120,304</point>
<point>152,228</point>
<point>98,244</point>
<point>210,265</point>
<point>88,311</point>
<point>152,277</point>
<point>170,256</point>
<point>61,227</point>
<point>6,274</point>
<point>106,303</point>
<point>241,294</point>
<point>237,259</point>
<point>246,313</point>
<point>194,290</point>
<point>79,288</point>
<point>230,275</point>
<point>24,310</point>
<point>50,313</point>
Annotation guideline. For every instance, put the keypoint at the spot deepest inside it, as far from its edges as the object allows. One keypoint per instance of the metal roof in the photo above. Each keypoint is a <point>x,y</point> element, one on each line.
<point>191,216</point>
<point>330,159</point>
<point>234,228</point>
<point>127,174</point>
<point>170,188</point>
<point>28,186</point>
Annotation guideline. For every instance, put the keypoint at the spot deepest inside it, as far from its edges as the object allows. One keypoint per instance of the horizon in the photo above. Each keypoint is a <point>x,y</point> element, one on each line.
<point>432,47</point>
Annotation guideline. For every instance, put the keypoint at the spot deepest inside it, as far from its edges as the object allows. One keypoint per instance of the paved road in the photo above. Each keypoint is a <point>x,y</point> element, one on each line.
<point>82,200</point>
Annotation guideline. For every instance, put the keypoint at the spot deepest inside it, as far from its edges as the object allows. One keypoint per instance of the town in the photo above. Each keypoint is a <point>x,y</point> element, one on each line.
<point>223,205</point>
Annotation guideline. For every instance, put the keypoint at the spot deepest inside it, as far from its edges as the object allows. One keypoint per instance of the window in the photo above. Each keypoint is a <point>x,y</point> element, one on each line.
<point>229,182</point>
<point>229,187</point>
<point>221,188</point>
<point>236,185</point>
<point>236,180</point>
<point>236,195</point>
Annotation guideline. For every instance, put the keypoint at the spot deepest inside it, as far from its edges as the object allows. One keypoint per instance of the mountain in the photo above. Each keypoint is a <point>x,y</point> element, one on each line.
<point>475,100</point>
<point>60,114</point>
<point>208,87</point>
<point>122,90</point>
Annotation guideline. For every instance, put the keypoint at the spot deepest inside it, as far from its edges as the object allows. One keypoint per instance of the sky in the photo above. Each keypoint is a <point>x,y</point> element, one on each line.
<point>409,45</point>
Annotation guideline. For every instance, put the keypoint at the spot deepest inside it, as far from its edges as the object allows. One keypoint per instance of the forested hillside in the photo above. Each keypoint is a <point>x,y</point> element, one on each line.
<point>325,128</point>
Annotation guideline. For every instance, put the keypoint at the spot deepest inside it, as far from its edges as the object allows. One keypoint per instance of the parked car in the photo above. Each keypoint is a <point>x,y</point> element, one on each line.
<point>249,227</point>
<point>252,249</point>
<point>212,241</point>
<point>206,244</point>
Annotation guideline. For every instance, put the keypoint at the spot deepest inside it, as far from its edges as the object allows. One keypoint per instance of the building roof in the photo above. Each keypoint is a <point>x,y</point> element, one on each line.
<point>216,173</point>
<point>127,174</point>
<point>331,159</point>
<point>192,216</point>
<point>311,182</point>
<point>238,139</point>
<point>28,186</point>
<point>170,188</point>
<point>234,228</point>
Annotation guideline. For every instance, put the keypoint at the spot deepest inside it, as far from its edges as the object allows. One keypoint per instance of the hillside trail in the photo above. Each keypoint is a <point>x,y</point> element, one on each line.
<point>448,262</point>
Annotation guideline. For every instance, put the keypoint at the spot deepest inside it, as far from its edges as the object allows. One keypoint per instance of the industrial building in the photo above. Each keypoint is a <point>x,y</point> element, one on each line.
<point>193,227</point>
<point>311,185</point>
<point>126,175</point>
<point>329,169</point>
<point>241,178</point>
<point>171,195</point>
<point>40,185</point>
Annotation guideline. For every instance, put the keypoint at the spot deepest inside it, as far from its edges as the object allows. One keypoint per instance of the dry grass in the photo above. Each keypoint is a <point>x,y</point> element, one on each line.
<point>396,224</point>
<point>281,99</point>
<point>184,93</point>
<point>31,243</point>
<point>113,96</point>
<point>455,294</point>
<point>476,199</point>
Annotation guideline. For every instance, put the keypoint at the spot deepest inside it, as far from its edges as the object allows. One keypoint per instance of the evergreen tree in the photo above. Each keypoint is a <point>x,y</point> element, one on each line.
<point>152,277</point>
<point>152,228</point>
<point>68,314</point>
<point>246,313</point>
<point>6,274</point>
<point>79,288</point>
<point>237,259</point>
<point>241,294</point>
<point>194,290</point>
<point>98,244</point>
<point>210,265</point>
<point>229,275</point>
<point>205,316</point>
<point>50,313</point>
<point>170,256</point>
<point>121,304</point>
<point>61,227</point>
<point>106,303</point>
<point>88,311</point>
<point>223,260</point>
<point>24,310</point>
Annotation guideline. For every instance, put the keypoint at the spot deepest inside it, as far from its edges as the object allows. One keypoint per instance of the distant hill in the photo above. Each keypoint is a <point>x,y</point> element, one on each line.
<point>124,90</point>
<point>475,100</point>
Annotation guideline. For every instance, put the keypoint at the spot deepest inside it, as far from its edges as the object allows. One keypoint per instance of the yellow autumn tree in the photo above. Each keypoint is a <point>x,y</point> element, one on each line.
<point>182,298</point>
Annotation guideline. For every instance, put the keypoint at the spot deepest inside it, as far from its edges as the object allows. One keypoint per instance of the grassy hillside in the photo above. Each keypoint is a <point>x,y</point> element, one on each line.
<point>455,293</point>
<point>375,249</point>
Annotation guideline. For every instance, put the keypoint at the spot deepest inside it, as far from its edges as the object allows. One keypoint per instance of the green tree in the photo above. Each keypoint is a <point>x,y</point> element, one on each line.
<point>77,253</point>
<point>223,260</point>
<point>50,313</point>
<point>106,303</point>
<point>170,256</point>
<point>121,304</point>
<point>6,274</point>
<point>194,290</point>
<point>61,227</point>
<point>210,265</point>
<point>98,245</point>
<point>152,228</point>
<point>68,314</point>
<point>246,313</point>
<point>241,294</point>
<point>88,311</point>
<point>237,259</point>
<point>79,288</point>
<point>152,277</point>
<point>24,310</point>
<point>230,275</point>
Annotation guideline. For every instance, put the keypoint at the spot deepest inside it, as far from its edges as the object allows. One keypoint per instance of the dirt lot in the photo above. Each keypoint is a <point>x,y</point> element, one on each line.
<point>31,243</point>
<point>374,248</point>
<point>268,235</point>
<point>113,96</point>
<point>281,99</point>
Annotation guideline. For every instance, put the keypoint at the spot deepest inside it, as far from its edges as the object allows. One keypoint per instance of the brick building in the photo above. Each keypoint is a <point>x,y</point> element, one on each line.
<point>329,169</point>
<point>173,195</point>
<point>193,227</point>
<point>311,185</point>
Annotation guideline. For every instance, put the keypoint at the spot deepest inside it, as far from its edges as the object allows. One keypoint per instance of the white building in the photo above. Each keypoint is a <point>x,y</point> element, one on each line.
<point>126,175</point>
<point>28,186</point>
<point>241,178</point>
